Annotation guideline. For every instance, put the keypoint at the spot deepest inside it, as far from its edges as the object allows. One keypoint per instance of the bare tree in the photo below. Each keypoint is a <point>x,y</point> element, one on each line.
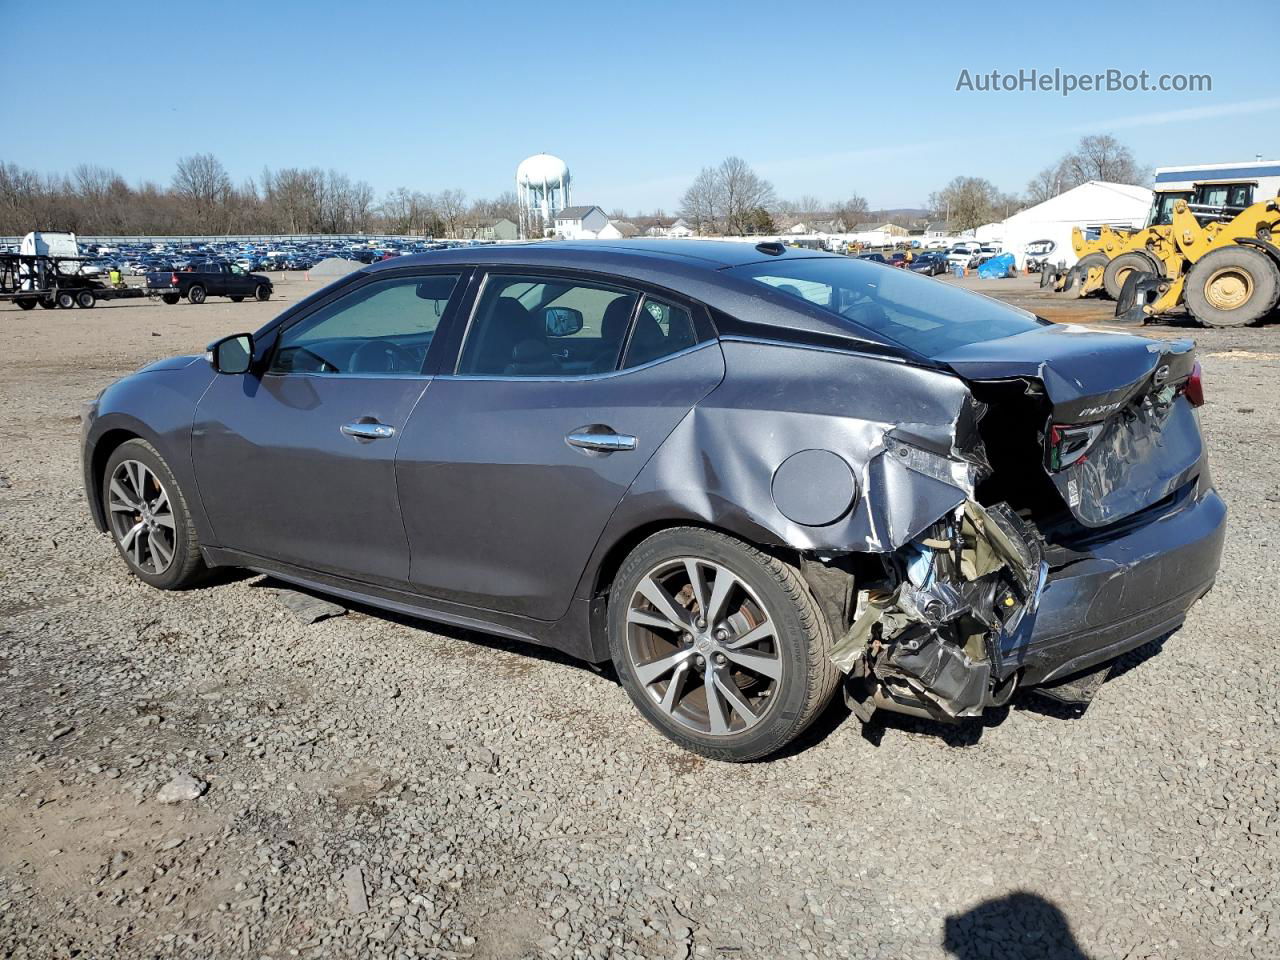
<point>451,205</point>
<point>742,191</point>
<point>202,182</point>
<point>701,204</point>
<point>969,202</point>
<point>849,213</point>
<point>1101,157</point>
<point>1045,185</point>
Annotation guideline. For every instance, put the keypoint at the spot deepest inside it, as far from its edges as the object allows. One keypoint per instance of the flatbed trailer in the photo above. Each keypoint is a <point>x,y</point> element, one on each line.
<point>31,280</point>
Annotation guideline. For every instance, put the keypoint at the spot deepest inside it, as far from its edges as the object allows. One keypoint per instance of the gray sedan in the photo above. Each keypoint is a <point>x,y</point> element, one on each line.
<point>747,476</point>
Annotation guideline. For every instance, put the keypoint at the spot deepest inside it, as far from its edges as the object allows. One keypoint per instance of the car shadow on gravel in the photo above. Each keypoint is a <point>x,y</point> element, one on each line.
<point>1017,926</point>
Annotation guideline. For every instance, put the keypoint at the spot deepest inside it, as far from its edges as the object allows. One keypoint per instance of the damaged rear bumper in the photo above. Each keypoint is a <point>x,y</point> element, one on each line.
<point>1121,591</point>
<point>978,608</point>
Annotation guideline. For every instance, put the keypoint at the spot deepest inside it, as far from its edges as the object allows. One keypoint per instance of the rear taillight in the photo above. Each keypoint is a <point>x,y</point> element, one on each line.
<point>173,279</point>
<point>1193,388</point>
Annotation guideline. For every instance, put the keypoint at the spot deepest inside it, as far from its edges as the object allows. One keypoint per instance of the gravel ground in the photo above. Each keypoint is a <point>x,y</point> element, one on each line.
<point>372,786</point>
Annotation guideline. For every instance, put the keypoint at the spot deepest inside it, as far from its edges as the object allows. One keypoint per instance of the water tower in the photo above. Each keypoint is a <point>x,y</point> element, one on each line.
<point>542,188</point>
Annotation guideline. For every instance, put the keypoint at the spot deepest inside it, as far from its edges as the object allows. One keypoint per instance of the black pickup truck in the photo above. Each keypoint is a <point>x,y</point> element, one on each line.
<point>208,279</point>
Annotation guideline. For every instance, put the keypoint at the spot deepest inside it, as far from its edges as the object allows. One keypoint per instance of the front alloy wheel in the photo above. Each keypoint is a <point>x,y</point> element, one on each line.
<point>720,645</point>
<point>141,517</point>
<point>147,516</point>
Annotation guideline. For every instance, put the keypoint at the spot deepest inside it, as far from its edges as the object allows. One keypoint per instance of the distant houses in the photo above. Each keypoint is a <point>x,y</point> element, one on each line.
<point>590,222</point>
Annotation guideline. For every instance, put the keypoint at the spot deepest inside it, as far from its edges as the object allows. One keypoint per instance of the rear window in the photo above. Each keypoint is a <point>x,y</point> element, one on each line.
<point>920,313</point>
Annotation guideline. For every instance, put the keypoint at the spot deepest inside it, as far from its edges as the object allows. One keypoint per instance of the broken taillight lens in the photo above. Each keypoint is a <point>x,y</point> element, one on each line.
<point>1193,388</point>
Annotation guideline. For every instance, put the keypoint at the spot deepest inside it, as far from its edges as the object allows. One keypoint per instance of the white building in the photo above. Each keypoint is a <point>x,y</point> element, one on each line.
<point>580,223</point>
<point>1087,206</point>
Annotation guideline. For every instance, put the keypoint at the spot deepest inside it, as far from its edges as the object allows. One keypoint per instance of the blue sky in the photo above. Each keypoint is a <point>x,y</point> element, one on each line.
<point>822,98</point>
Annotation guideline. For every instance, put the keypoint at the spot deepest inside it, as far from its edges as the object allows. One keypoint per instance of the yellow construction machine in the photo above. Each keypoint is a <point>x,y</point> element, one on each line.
<point>1225,274</point>
<point>1211,193</point>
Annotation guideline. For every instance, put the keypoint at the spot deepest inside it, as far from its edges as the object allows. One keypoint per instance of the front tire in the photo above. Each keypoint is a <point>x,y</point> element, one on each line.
<point>148,518</point>
<point>262,293</point>
<point>1232,286</point>
<point>720,645</point>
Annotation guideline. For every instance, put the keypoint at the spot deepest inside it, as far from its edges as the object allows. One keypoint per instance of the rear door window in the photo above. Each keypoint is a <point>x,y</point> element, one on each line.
<point>529,326</point>
<point>661,328</point>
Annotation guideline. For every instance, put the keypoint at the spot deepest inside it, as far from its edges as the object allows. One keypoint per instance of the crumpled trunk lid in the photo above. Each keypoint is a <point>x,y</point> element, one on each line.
<point>1119,433</point>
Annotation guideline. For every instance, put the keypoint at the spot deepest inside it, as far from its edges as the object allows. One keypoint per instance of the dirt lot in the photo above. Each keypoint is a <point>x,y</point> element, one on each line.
<point>377,787</point>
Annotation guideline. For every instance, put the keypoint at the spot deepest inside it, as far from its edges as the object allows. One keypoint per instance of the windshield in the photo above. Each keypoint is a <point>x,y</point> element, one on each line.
<point>1162,208</point>
<point>923,314</point>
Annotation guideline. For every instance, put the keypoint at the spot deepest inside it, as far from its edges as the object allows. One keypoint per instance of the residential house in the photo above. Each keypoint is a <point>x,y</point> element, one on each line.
<point>499,228</point>
<point>619,230</point>
<point>580,223</point>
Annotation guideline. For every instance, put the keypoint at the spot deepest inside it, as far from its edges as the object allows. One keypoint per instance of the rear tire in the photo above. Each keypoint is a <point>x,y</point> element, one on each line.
<point>85,299</point>
<point>262,293</point>
<point>26,303</point>
<point>1232,286</point>
<point>237,299</point>
<point>157,541</point>
<point>1118,271</point>
<point>170,298</point>
<point>764,693</point>
<point>196,294</point>
<point>47,303</point>
<point>66,301</point>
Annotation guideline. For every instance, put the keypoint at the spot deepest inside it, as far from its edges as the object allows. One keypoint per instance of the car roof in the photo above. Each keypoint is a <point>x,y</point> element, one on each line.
<point>710,254</point>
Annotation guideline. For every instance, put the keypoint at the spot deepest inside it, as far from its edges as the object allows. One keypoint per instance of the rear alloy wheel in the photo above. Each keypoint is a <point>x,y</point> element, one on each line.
<point>1232,286</point>
<point>720,645</point>
<point>1118,271</point>
<point>148,517</point>
<point>196,294</point>
<point>262,293</point>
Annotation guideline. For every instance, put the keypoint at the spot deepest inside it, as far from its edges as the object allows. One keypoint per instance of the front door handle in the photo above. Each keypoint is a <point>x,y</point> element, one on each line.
<point>609,442</point>
<point>368,431</point>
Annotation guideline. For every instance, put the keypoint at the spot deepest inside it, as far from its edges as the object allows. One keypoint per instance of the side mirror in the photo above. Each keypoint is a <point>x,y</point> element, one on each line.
<point>233,354</point>
<point>562,321</point>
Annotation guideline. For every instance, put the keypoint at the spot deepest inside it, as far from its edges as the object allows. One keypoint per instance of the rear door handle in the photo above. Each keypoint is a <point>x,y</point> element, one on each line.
<point>601,442</point>
<point>368,431</point>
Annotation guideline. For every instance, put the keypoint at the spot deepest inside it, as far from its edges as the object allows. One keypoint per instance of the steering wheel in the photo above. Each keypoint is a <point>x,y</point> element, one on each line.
<point>382,356</point>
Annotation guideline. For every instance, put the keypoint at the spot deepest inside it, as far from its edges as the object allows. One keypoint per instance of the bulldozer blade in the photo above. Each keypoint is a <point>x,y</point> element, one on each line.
<point>1140,290</point>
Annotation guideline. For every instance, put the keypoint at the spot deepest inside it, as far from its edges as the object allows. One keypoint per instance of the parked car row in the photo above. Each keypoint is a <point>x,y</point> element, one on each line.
<point>140,259</point>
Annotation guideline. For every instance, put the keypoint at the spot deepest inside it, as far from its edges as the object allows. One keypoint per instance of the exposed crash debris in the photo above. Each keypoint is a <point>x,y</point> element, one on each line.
<point>932,639</point>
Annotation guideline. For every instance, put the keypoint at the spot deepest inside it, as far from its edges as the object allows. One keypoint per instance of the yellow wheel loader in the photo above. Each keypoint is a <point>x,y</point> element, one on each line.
<point>1092,256</point>
<point>1225,274</point>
